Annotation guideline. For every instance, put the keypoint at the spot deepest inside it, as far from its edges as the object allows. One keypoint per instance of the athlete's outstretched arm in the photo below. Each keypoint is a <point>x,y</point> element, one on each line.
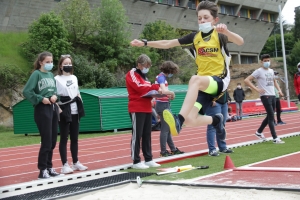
<point>159,44</point>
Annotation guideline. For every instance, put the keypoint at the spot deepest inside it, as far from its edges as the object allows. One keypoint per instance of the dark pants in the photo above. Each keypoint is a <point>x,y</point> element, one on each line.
<point>165,135</point>
<point>278,110</point>
<point>141,130</point>
<point>46,120</point>
<point>71,128</point>
<point>269,104</point>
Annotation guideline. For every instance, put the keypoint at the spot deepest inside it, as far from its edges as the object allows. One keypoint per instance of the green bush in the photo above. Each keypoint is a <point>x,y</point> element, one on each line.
<point>293,59</point>
<point>47,34</point>
<point>90,74</point>
<point>11,76</point>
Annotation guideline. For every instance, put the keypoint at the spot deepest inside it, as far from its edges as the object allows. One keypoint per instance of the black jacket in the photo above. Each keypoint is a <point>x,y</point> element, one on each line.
<point>239,95</point>
<point>224,98</point>
<point>66,108</point>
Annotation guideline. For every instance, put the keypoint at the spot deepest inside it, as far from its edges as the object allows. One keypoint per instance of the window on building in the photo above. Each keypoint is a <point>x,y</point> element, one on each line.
<point>272,18</point>
<point>243,13</point>
<point>225,9</point>
<point>264,16</point>
<point>252,14</point>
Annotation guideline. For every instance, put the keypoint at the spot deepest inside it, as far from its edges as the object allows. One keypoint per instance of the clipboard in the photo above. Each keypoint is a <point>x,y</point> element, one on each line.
<point>153,94</point>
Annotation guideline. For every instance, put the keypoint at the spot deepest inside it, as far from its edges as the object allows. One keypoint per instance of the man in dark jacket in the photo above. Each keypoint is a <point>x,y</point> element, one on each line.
<point>239,96</point>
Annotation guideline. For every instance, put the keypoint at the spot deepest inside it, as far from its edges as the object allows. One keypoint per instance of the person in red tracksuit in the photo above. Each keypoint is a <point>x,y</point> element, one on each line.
<point>140,111</point>
<point>297,81</point>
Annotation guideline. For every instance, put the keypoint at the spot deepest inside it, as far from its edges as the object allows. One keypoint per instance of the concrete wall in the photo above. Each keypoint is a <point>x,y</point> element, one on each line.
<point>16,15</point>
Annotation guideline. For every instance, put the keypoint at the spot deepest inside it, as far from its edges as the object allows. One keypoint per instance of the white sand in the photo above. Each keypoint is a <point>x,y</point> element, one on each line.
<point>131,191</point>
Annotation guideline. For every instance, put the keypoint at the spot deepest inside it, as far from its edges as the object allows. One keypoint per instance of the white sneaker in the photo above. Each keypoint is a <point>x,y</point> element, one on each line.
<point>79,167</point>
<point>66,169</point>
<point>152,164</point>
<point>139,166</point>
<point>278,141</point>
<point>260,136</point>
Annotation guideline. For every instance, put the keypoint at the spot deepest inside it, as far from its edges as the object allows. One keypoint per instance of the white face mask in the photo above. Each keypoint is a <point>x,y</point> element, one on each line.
<point>266,64</point>
<point>276,77</point>
<point>145,70</point>
<point>205,27</point>
<point>298,69</point>
<point>239,87</point>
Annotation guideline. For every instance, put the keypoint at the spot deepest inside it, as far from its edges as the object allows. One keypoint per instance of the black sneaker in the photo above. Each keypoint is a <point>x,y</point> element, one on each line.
<point>165,154</point>
<point>44,174</point>
<point>213,153</point>
<point>281,123</point>
<point>52,172</point>
<point>220,129</point>
<point>227,151</point>
<point>177,151</point>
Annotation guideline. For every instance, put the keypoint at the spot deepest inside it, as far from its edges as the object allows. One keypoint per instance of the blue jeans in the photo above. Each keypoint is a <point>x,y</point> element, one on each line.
<point>211,131</point>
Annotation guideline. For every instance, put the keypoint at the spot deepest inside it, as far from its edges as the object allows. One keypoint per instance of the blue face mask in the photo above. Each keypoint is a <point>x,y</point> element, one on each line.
<point>145,70</point>
<point>48,66</point>
<point>267,64</point>
<point>170,75</point>
<point>205,27</point>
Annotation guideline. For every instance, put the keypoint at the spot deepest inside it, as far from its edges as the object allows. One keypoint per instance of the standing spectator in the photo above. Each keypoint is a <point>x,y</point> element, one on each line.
<point>266,81</point>
<point>72,111</point>
<point>277,103</point>
<point>239,96</point>
<point>140,111</point>
<point>297,81</point>
<point>40,90</point>
<point>168,69</point>
<point>218,106</point>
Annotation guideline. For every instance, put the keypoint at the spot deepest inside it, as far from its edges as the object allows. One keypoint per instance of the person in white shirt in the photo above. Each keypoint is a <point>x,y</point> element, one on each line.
<point>72,110</point>
<point>266,82</point>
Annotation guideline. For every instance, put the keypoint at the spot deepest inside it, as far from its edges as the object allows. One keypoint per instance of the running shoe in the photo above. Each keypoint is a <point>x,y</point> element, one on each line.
<point>52,172</point>
<point>172,121</point>
<point>177,151</point>
<point>79,167</point>
<point>165,154</point>
<point>278,141</point>
<point>260,136</point>
<point>220,129</point>
<point>44,174</point>
<point>152,164</point>
<point>213,153</point>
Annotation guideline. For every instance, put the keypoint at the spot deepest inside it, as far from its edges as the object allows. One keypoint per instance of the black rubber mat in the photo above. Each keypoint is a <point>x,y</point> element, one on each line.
<point>82,187</point>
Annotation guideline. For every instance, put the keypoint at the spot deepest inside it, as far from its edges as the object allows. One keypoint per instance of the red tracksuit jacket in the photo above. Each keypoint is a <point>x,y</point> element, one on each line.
<point>297,83</point>
<point>136,87</point>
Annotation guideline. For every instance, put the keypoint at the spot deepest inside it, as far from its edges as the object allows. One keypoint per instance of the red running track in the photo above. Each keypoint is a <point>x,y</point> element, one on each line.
<point>261,178</point>
<point>19,164</point>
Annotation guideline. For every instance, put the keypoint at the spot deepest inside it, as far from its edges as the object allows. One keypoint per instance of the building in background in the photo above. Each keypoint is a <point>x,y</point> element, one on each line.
<point>254,20</point>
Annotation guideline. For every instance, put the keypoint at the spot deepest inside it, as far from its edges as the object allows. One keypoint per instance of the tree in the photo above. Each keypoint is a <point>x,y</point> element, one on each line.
<point>46,34</point>
<point>297,25</point>
<point>110,45</point>
<point>269,47</point>
<point>79,20</point>
<point>293,59</point>
<point>160,30</point>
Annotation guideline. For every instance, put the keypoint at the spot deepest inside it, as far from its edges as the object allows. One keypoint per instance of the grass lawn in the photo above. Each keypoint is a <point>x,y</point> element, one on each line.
<point>10,50</point>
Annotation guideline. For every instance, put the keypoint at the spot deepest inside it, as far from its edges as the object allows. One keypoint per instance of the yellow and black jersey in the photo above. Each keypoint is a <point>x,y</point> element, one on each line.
<point>207,52</point>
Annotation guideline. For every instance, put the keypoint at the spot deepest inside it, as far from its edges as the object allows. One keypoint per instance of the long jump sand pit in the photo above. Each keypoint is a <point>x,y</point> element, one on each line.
<point>132,191</point>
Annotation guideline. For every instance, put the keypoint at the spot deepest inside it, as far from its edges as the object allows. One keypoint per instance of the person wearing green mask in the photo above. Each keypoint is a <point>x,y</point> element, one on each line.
<point>40,91</point>
<point>266,82</point>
